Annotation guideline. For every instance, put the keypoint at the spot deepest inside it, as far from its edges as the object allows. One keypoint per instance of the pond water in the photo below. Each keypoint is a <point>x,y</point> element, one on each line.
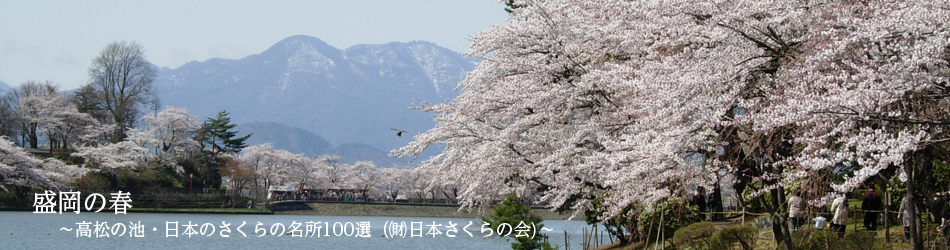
<point>27,230</point>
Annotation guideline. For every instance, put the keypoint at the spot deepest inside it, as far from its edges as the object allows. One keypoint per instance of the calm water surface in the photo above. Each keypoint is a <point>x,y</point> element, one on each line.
<point>26,230</point>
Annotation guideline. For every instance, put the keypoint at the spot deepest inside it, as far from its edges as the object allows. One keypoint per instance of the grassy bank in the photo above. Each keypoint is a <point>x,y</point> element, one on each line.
<point>764,238</point>
<point>402,210</point>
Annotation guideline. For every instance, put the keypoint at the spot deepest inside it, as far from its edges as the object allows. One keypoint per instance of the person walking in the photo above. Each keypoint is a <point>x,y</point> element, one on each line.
<point>699,200</point>
<point>795,216</point>
<point>871,205</point>
<point>939,210</point>
<point>840,221</point>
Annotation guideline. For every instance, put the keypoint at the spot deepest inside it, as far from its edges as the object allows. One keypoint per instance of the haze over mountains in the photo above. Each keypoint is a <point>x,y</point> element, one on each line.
<point>303,141</point>
<point>350,97</point>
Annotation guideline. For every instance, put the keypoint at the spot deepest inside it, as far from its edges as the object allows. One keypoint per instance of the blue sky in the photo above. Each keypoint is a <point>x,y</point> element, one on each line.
<point>57,40</point>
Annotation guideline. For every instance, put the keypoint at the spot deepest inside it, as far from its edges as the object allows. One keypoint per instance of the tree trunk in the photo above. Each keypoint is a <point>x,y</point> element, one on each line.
<point>916,242</point>
<point>31,134</point>
<point>780,219</point>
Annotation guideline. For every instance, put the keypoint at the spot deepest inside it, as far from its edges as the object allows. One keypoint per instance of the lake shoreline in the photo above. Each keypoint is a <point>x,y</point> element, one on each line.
<point>405,210</point>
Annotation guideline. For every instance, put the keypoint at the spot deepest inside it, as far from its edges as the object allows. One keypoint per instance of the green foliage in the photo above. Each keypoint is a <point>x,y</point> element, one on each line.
<point>810,238</point>
<point>897,192</point>
<point>153,176</point>
<point>94,182</point>
<point>18,196</point>
<point>217,134</point>
<point>513,212</point>
<point>860,240</point>
<point>754,205</point>
<point>940,174</point>
<point>618,225</point>
<point>742,237</point>
<point>205,168</point>
<point>695,236</point>
<point>676,214</point>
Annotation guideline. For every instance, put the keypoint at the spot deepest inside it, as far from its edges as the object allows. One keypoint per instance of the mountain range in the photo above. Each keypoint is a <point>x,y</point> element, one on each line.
<point>303,141</point>
<point>351,98</point>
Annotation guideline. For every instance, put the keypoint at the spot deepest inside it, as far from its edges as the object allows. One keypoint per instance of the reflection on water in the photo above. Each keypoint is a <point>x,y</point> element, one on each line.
<point>26,230</point>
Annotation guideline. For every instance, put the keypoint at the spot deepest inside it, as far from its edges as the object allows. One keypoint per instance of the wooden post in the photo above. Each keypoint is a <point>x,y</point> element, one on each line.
<point>593,236</point>
<point>649,233</point>
<point>596,235</point>
<point>743,215</point>
<point>659,230</point>
<point>584,239</point>
<point>662,228</point>
<point>567,246</point>
<point>887,218</point>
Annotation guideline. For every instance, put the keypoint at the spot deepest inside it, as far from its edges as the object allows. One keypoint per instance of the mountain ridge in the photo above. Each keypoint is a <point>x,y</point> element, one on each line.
<point>302,141</point>
<point>352,95</point>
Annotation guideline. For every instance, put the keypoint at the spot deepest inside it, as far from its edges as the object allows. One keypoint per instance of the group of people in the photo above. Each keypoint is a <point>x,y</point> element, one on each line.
<point>871,205</point>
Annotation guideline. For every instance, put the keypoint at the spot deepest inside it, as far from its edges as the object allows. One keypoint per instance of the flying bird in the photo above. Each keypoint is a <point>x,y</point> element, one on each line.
<point>398,132</point>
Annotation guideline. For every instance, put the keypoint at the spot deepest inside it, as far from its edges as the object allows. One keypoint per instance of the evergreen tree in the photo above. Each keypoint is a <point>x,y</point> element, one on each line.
<point>217,134</point>
<point>514,213</point>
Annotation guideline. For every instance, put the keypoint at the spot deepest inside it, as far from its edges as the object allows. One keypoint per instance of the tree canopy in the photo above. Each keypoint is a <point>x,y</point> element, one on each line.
<point>586,99</point>
<point>218,135</point>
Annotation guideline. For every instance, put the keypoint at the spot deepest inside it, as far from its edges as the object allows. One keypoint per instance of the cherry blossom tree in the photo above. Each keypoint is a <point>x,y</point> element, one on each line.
<point>172,129</point>
<point>60,122</point>
<point>393,181</point>
<point>364,175</point>
<point>69,126</point>
<point>582,99</point>
<point>332,171</point>
<point>869,93</point>
<point>29,129</point>
<point>114,157</point>
<point>273,167</point>
<point>609,99</point>
<point>37,112</point>
<point>301,171</point>
<point>19,172</point>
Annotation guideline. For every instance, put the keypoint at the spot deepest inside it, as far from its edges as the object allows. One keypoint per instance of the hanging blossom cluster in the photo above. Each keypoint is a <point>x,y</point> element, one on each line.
<point>607,99</point>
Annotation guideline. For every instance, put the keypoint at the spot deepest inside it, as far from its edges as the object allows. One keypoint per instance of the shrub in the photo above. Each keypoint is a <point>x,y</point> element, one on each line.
<point>513,212</point>
<point>861,240</point>
<point>734,238</point>
<point>694,236</point>
<point>810,238</point>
